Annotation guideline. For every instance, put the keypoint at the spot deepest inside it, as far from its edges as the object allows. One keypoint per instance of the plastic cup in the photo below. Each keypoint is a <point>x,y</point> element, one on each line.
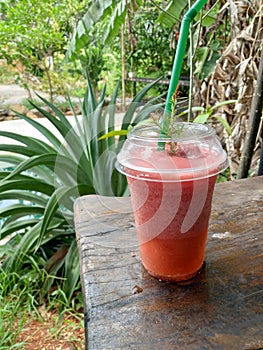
<point>171,193</point>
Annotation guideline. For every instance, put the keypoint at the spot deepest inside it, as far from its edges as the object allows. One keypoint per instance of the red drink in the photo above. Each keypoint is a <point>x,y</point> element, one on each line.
<point>177,252</point>
<point>171,194</point>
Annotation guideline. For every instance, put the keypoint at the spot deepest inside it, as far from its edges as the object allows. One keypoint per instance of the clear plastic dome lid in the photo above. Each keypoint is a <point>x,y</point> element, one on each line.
<point>192,152</point>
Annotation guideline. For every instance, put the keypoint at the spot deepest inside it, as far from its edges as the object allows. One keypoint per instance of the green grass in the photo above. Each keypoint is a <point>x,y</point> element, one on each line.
<point>16,301</point>
<point>20,302</point>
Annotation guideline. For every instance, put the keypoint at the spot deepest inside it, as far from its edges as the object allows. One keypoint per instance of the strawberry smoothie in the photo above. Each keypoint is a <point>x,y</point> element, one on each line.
<point>171,193</point>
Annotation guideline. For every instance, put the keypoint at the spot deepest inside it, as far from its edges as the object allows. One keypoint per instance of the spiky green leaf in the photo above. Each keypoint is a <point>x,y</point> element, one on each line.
<point>114,133</point>
<point>72,272</point>
<point>27,183</point>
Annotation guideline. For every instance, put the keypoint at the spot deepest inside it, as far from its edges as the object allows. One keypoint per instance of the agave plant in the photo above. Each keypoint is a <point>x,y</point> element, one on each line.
<point>45,177</point>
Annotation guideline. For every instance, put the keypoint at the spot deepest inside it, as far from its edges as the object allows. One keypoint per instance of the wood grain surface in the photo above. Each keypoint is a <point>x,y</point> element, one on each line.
<point>221,308</point>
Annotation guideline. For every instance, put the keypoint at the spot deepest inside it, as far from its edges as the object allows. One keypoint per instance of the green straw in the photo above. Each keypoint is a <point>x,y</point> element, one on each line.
<point>179,56</point>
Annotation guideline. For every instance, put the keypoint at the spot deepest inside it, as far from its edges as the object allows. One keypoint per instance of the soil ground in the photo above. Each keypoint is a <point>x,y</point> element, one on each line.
<point>48,334</point>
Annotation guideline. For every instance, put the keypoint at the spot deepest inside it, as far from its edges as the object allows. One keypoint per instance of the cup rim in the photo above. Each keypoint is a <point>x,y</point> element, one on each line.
<point>168,176</point>
<point>155,135</point>
<point>196,166</point>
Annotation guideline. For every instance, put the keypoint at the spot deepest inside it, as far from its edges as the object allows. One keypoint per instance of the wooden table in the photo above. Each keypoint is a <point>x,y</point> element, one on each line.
<point>222,308</point>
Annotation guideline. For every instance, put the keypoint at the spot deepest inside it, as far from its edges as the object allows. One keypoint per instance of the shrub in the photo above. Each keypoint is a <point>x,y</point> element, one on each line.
<point>45,177</point>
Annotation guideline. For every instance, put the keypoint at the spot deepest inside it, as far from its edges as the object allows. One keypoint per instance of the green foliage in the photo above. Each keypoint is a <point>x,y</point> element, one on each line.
<point>111,70</point>
<point>172,12</point>
<point>147,35</point>
<point>225,176</point>
<point>92,43</point>
<point>91,58</point>
<point>33,33</point>
<point>110,11</point>
<point>49,175</point>
<point>7,75</point>
<point>101,24</point>
<point>149,25</point>
<point>206,113</point>
<point>207,55</point>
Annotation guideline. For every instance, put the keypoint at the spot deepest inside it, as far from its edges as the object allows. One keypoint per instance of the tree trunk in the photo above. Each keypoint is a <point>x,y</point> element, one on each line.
<point>253,125</point>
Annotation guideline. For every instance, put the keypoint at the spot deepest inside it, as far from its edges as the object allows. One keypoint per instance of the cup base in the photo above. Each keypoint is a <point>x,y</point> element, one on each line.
<point>177,278</point>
